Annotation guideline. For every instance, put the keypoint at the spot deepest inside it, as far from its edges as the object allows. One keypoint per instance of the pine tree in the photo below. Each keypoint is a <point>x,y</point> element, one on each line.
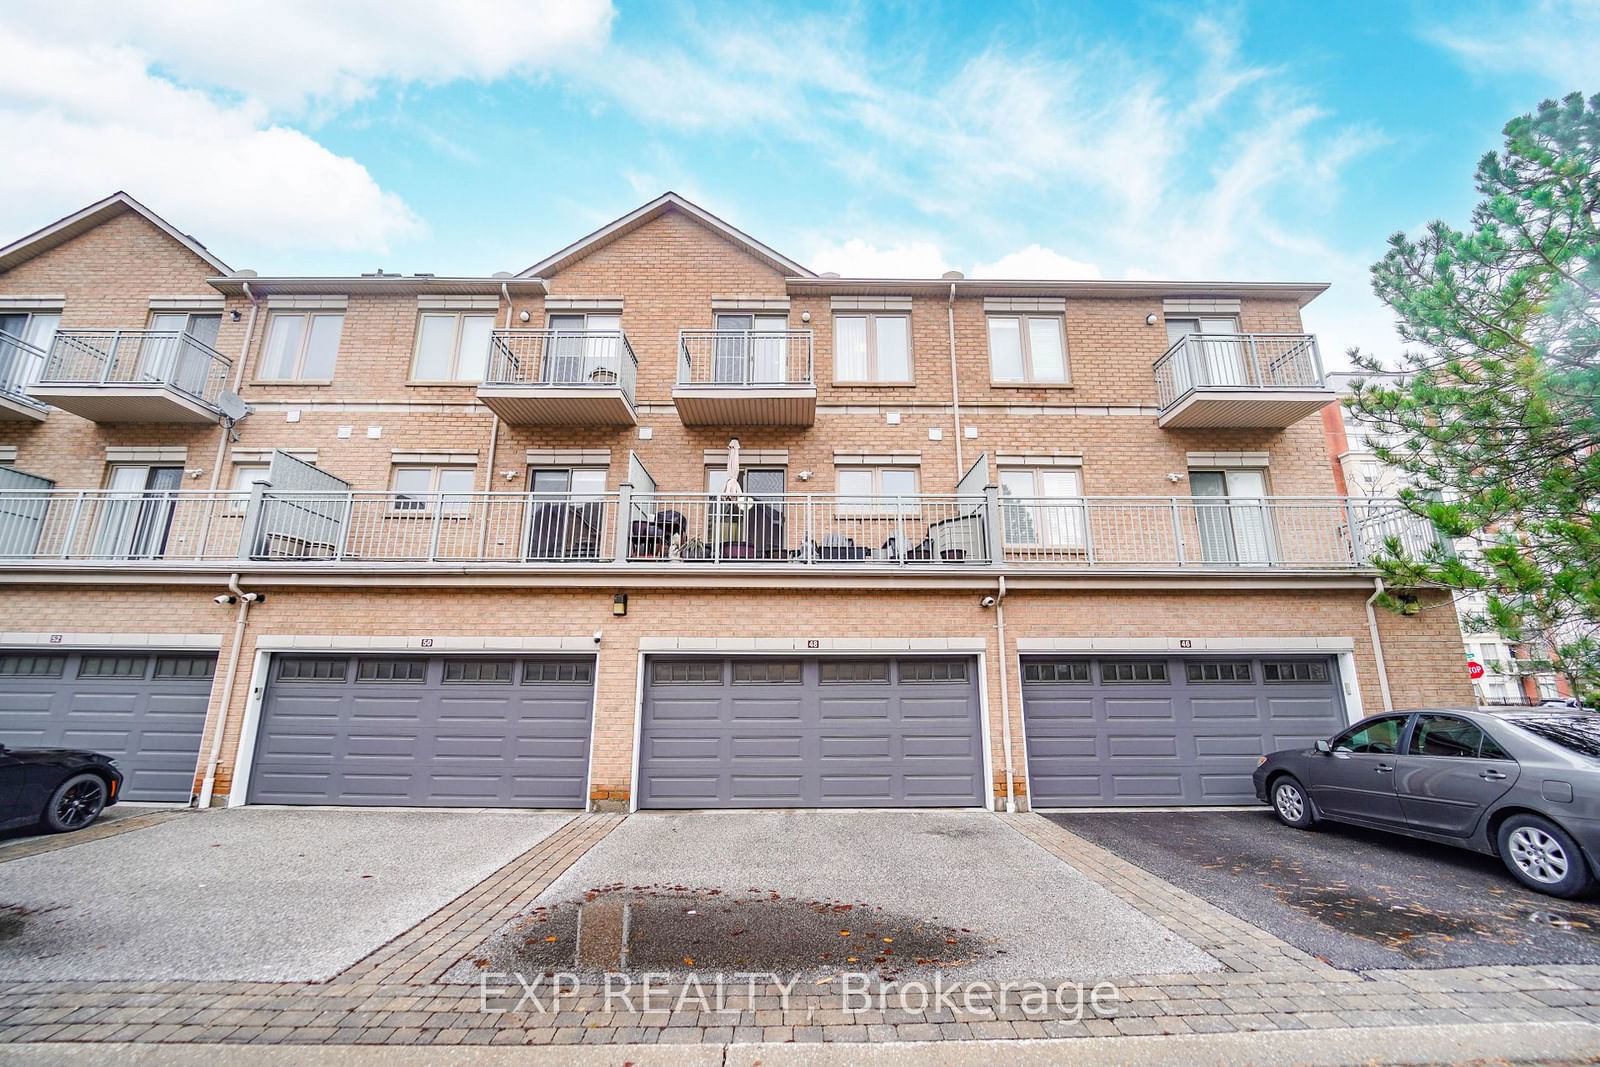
<point>1494,422</point>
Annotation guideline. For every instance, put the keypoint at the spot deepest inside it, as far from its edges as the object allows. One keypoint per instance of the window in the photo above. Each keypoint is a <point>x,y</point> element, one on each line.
<point>1381,737</point>
<point>751,671</point>
<point>581,482</point>
<point>416,487</point>
<point>759,355</point>
<point>112,666</point>
<point>869,490</point>
<point>1133,670</point>
<point>584,349</point>
<point>1042,507</point>
<point>25,666</point>
<point>36,328</point>
<point>391,670</point>
<point>186,666</point>
<point>1575,733</point>
<point>452,347</point>
<point>1027,349</point>
<point>1547,687</point>
<point>1225,670</point>
<point>1059,670</point>
<point>686,672</point>
<point>301,346</point>
<point>1294,670</point>
<point>933,670</point>
<point>1448,736</point>
<point>545,671</point>
<point>854,670</point>
<point>246,476</point>
<point>311,669</point>
<point>477,671</point>
<point>872,348</point>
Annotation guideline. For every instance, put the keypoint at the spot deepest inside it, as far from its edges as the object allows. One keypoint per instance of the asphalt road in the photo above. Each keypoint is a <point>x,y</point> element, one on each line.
<point>1357,898</point>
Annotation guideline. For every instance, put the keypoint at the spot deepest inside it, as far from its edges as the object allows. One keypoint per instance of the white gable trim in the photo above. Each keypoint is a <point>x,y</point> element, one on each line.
<point>82,221</point>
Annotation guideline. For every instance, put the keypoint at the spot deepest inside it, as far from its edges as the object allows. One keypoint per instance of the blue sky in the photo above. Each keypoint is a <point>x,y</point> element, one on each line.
<point>1249,141</point>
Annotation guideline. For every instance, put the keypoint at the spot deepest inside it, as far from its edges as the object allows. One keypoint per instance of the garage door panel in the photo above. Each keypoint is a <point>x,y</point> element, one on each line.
<point>1193,739</point>
<point>464,733</point>
<point>854,736</point>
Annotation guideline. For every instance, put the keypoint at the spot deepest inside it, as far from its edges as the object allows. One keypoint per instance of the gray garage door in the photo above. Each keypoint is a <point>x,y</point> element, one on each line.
<point>1168,730</point>
<point>752,732</point>
<point>436,731</point>
<point>146,710</point>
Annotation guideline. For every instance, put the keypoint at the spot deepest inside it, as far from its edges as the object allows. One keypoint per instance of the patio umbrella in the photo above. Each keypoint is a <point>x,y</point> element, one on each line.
<point>730,486</point>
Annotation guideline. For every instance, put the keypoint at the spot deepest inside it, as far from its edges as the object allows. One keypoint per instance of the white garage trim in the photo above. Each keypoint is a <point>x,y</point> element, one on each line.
<point>664,647</point>
<point>207,642</point>
<point>266,645</point>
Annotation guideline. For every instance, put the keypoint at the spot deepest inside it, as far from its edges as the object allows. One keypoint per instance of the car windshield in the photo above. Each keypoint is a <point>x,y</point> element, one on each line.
<point>1576,733</point>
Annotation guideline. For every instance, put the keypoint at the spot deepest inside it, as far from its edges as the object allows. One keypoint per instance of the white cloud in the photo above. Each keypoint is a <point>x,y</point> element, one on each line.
<point>186,106</point>
<point>1556,40</point>
<point>856,258</point>
<point>1036,261</point>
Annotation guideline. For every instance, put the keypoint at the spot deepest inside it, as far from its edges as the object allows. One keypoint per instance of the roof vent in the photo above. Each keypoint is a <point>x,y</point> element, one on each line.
<point>381,273</point>
<point>420,274</point>
<point>952,276</point>
<point>829,274</point>
<point>244,273</point>
<point>502,274</point>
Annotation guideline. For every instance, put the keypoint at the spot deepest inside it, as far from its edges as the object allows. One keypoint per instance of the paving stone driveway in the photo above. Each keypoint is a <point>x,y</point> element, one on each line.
<point>396,995</point>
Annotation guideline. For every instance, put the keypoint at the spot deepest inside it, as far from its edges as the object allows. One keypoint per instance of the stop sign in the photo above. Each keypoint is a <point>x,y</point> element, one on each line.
<point>1474,669</point>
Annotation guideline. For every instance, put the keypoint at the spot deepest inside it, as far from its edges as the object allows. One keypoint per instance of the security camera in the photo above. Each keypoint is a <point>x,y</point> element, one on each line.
<point>988,602</point>
<point>224,598</point>
<point>597,637</point>
<point>255,598</point>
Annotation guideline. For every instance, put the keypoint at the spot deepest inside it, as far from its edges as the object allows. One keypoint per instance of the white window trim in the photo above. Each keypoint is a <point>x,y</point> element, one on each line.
<point>300,353</point>
<point>1072,521</point>
<point>855,510</point>
<point>871,317</point>
<point>450,510</point>
<point>239,499</point>
<point>1025,340</point>
<point>455,347</point>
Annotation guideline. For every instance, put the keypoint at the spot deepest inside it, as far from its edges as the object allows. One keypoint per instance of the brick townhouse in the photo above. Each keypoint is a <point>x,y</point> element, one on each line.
<point>667,520</point>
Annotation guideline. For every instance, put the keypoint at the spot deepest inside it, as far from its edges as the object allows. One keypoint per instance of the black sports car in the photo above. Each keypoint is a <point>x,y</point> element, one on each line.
<point>59,789</point>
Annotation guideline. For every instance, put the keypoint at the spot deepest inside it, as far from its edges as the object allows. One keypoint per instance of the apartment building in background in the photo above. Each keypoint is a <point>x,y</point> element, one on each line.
<point>667,520</point>
<point>1352,447</point>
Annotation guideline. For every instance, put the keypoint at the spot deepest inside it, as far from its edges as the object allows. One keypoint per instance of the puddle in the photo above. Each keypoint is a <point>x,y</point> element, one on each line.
<point>677,929</point>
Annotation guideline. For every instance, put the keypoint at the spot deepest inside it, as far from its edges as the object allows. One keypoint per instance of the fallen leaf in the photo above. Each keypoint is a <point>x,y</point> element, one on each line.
<point>844,933</point>
<point>688,961</point>
<point>552,938</point>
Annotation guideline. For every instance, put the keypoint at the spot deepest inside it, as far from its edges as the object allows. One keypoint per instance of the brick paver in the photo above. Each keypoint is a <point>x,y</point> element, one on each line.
<point>34,846</point>
<point>396,995</point>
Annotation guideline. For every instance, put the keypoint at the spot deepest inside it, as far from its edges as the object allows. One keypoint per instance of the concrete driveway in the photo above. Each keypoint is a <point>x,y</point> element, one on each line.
<point>901,895</point>
<point>1357,898</point>
<point>256,894</point>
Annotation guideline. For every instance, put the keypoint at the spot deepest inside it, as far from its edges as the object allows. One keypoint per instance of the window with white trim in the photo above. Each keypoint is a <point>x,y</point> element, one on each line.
<point>1042,506</point>
<point>872,348</point>
<point>452,347</point>
<point>416,489</point>
<point>246,476</point>
<point>1027,350</point>
<point>876,490</point>
<point>300,346</point>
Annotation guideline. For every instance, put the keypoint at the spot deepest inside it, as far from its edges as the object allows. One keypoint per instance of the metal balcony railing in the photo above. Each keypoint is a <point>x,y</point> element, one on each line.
<point>62,526</point>
<point>1237,361</point>
<point>565,358</point>
<point>137,357</point>
<point>745,358</point>
<point>20,366</point>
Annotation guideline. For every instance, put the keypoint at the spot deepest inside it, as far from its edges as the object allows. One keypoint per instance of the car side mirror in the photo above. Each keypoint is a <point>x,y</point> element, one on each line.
<point>1324,746</point>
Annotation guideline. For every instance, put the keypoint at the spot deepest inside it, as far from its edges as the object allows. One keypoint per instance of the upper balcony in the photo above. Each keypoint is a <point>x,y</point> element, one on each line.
<point>745,378</point>
<point>1270,380</point>
<point>20,364</point>
<point>561,377</point>
<point>133,376</point>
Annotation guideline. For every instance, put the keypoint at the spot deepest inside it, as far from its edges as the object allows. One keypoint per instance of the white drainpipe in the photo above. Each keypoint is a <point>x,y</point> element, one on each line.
<point>208,786</point>
<point>1005,698</point>
<point>955,386</point>
<point>1377,644</point>
<point>238,377</point>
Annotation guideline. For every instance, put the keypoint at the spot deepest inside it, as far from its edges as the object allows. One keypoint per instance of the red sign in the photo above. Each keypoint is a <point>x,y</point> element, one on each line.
<point>1474,669</point>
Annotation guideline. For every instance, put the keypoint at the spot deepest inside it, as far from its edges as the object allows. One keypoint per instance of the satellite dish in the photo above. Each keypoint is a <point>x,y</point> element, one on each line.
<point>232,405</point>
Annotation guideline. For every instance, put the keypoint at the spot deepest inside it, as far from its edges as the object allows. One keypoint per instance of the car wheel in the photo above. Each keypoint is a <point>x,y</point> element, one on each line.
<point>1543,856</point>
<point>76,803</point>
<point>1291,804</point>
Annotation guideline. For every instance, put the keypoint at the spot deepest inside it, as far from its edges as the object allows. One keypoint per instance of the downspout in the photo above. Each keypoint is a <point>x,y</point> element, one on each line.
<point>208,786</point>
<point>494,427</point>
<point>955,387</point>
<point>238,378</point>
<point>1377,644</point>
<point>1005,697</point>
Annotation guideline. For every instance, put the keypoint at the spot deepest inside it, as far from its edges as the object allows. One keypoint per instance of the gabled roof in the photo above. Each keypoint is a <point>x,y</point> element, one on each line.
<point>668,201</point>
<point>64,230</point>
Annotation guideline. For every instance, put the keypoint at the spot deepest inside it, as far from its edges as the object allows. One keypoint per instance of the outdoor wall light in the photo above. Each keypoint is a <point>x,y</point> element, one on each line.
<point>1150,319</point>
<point>524,316</point>
<point>619,604</point>
<point>805,316</point>
<point>234,314</point>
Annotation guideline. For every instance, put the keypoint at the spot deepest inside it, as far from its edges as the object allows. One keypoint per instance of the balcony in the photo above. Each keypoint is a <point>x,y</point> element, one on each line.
<point>561,377</point>
<point>510,531</point>
<point>133,376</point>
<point>745,378</point>
<point>20,364</point>
<point>1244,380</point>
